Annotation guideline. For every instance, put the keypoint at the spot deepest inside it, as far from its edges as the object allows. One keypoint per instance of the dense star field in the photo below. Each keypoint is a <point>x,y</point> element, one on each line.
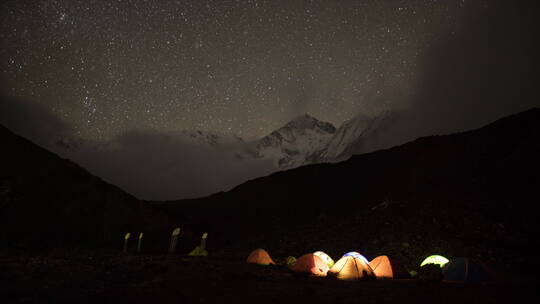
<point>246,67</point>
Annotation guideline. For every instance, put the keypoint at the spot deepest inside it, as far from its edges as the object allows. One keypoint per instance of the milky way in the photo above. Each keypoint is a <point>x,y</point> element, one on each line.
<point>244,67</point>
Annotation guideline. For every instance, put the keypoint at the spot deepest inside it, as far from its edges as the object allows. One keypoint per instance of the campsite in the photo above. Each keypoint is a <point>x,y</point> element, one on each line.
<point>175,278</point>
<point>472,246</point>
<point>269,151</point>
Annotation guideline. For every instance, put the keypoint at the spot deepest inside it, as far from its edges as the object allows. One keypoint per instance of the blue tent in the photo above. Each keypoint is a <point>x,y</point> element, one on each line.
<point>468,270</point>
<point>356,255</point>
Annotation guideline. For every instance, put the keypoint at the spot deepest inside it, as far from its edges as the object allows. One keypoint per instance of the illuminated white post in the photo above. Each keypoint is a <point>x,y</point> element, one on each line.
<point>126,239</point>
<point>174,239</point>
<point>203,241</point>
<point>140,242</point>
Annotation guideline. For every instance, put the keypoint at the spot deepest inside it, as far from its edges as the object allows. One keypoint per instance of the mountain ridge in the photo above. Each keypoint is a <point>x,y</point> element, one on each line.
<point>291,144</point>
<point>48,201</point>
<point>454,194</point>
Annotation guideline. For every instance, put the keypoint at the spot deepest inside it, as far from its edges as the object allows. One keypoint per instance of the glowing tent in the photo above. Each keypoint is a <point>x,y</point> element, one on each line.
<point>468,270</point>
<point>260,256</point>
<point>383,267</point>
<point>357,255</point>
<point>325,257</point>
<point>351,268</point>
<point>435,259</point>
<point>311,264</point>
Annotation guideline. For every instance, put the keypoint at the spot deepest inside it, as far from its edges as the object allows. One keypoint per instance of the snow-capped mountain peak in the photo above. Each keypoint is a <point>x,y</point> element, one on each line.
<point>356,136</point>
<point>291,145</point>
<point>308,122</point>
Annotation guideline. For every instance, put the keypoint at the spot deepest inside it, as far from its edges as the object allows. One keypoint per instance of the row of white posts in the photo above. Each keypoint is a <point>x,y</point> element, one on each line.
<point>172,245</point>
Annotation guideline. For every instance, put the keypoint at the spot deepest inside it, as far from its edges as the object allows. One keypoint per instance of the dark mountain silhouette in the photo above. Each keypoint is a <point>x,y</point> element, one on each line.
<point>47,201</point>
<point>468,194</point>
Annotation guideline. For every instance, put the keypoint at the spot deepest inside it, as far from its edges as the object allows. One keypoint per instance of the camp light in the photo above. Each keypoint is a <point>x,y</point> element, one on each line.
<point>356,255</point>
<point>174,239</point>
<point>203,240</point>
<point>126,239</point>
<point>139,244</point>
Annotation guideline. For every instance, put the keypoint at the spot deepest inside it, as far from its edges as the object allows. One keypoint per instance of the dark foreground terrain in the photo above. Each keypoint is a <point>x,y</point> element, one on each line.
<point>471,194</point>
<point>180,279</point>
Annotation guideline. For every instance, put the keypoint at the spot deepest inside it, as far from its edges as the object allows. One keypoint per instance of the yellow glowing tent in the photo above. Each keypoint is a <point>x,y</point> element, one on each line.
<point>351,268</point>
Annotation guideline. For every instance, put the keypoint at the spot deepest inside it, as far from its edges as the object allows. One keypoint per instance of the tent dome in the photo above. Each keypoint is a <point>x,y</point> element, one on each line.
<point>435,259</point>
<point>351,268</point>
<point>383,267</point>
<point>311,264</point>
<point>325,257</point>
<point>468,270</point>
<point>260,256</point>
<point>357,255</point>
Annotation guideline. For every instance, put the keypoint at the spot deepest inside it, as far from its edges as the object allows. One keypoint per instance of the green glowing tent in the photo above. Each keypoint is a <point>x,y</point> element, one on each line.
<point>435,259</point>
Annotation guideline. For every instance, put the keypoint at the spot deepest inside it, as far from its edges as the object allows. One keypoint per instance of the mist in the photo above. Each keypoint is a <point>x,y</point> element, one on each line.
<point>151,165</point>
<point>471,76</point>
<point>33,121</point>
<point>165,166</point>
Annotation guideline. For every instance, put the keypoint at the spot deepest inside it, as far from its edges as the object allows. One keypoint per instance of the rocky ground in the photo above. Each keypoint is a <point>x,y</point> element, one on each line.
<point>108,278</point>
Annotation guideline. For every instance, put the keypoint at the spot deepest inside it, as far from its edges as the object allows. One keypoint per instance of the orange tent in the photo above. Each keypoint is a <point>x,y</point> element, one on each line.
<point>311,264</point>
<point>260,256</point>
<point>351,268</point>
<point>383,267</point>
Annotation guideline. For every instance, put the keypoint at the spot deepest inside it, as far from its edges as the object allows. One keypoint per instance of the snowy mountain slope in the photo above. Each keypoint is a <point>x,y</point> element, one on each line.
<point>168,165</point>
<point>291,145</point>
<point>306,140</point>
<point>302,141</point>
<point>358,135</point>
<point>348,132</point>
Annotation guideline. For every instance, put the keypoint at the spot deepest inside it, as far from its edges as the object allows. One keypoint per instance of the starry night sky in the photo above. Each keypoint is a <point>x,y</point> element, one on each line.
<point>243,67</point>
<point>108,83</point>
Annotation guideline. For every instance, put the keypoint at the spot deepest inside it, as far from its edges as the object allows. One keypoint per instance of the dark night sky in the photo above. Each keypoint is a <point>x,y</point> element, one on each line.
<point>108,71</point>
